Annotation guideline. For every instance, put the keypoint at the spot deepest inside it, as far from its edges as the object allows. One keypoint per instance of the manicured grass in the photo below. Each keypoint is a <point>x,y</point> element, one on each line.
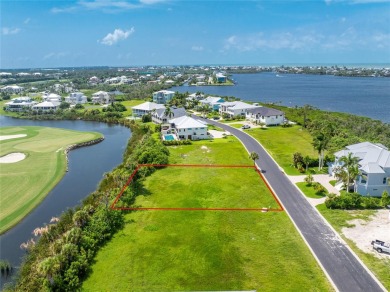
<point>309,191</point>
<point>24,184</point>
<point>339,220</point>
<point>282,143</point>
<point>333,182</point>
<point>206,250</point>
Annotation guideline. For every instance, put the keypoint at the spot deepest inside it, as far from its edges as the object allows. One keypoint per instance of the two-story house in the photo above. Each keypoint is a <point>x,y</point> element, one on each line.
<point>374,167</point>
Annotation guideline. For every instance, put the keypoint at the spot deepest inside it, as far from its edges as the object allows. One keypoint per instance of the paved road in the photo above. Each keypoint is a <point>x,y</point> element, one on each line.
<point>347,273</point>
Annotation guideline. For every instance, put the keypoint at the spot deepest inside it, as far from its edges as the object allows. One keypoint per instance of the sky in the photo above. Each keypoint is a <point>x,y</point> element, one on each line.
<point>123,33</point>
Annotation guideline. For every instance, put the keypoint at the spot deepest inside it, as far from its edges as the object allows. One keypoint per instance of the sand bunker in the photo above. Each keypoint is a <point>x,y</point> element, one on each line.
<point>364,232</point>
<point>6,137</point>
<point>12,157</point>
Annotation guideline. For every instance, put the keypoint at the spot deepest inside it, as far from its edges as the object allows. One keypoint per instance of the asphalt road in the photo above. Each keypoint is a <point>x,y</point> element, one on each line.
<point>344,269</point>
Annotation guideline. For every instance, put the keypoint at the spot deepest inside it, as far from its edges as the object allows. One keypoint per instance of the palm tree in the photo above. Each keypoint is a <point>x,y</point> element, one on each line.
<point>306,160</point>
<point>254,156</point>
<point>320,143</point>
<point>350,164</point>
<point>168,113</point>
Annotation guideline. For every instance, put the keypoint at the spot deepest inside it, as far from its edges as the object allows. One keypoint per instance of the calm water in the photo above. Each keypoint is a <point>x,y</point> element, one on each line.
<point>363,96</point>
<point>86,168</point>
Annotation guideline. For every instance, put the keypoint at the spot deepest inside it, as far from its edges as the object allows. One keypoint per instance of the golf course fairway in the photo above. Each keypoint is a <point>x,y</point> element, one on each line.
<point>32,162</point>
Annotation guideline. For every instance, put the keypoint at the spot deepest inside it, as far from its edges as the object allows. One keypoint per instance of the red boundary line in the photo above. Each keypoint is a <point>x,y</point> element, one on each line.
<point>113,207</point>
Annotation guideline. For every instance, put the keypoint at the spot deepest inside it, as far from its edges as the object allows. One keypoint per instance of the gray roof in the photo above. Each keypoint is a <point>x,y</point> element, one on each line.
<point>265,111</point>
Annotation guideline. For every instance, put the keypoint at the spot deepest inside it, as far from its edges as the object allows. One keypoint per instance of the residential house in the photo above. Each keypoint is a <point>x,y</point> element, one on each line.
<point>163,96</point>
<point>159,116</point>
<point>265,115</point>
<point>13,89</point>
<point>51,97</point>
<point>212,102</point>
<point>145,108</point>
<point>101,97</point>
<point>46,106</point>
<point>20,104</point>
<point>76,98</point>
<point>220,78</point>
<point>235,108</point>
<point>186,127</point>
<point>373,164</point>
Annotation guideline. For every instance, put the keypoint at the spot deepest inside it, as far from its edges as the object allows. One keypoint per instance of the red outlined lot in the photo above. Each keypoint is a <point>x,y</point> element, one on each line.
<point>114,207</point>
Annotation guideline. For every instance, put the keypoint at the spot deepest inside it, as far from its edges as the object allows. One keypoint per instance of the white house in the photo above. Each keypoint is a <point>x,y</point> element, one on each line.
<point>235,108</point>
<point>47,106</point>
<point>146,108</point>
<point>265,115</point>
<point>159,116</point>
<point>20,104</point>
<point>12,89</point>
<point>374,167</point>
<point>186,127</point>
<point>163,96</point>
<point>76,98</point>
<point>101,97</point>
<point>212,102</point>
<point>51,97</point>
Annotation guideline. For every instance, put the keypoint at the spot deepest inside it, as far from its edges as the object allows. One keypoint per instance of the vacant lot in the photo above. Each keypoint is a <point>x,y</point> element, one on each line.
<point>206,250</point>
<point>25,183</point>
<point>282,143</point>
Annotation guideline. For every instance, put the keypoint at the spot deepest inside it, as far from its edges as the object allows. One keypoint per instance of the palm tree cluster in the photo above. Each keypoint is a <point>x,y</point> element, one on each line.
<point>348,172</point>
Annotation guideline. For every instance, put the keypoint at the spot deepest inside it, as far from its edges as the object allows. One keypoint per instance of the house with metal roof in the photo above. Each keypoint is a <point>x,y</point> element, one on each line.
<point>374,167</point>
<point>146,108</point>
<point>236,108</point>
<point>18,104</point>
<point>186,127</point>
<point>265,115</point>
<point>212,102</point>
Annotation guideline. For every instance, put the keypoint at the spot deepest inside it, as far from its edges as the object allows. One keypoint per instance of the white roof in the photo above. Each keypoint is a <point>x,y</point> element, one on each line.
<point>373,158</point>
<point>100,93</point>
<point>164,92</point>
<point>47,104</point>
<point>148,106</point>
<point>239,105</point>
<point>186,122</point>
<point>211,99</point>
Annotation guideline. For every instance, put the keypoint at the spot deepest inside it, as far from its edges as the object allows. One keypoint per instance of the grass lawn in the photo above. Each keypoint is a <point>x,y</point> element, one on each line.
<point>206,250</point>
<point>25,184</point>
<point>339,219</point>
<point>282,143</point>
<point>309,191</point>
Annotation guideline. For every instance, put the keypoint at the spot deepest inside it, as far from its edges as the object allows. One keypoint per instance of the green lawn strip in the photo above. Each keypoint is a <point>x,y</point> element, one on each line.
<point>25,184</point>
<point>339,220</point>
<point>281,143</point>
<point>333,182</point>
<point>309,191</point>
<point>206,250</point>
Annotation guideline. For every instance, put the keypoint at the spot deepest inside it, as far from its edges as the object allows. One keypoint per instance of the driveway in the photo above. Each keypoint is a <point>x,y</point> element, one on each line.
<point>340,264</point>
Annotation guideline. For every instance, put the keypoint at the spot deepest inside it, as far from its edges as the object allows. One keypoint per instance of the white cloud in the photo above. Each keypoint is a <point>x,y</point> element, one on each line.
<point>53,55</point>
<point>9,31</point>
<point>197,48</point>
<point>116,36</point>
<point>108,6</point>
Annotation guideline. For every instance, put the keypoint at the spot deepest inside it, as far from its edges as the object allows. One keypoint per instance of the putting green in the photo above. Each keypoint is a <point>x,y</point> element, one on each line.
<point>24,184</point>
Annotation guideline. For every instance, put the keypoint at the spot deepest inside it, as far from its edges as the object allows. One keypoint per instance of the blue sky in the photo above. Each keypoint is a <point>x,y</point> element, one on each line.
<point>156,32</point>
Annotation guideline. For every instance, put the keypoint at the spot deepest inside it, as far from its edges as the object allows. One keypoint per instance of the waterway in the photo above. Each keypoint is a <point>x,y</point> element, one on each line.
<point>87,166</point>
<point>362,96</point>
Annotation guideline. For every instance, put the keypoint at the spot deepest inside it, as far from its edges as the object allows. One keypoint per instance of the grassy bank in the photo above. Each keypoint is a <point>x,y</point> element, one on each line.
<point>25,184</point>
<point>206,250</point>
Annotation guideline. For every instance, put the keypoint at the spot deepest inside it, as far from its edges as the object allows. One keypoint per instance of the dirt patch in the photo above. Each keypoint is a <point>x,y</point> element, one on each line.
<point>366,231</point>
<point>12,157</point>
